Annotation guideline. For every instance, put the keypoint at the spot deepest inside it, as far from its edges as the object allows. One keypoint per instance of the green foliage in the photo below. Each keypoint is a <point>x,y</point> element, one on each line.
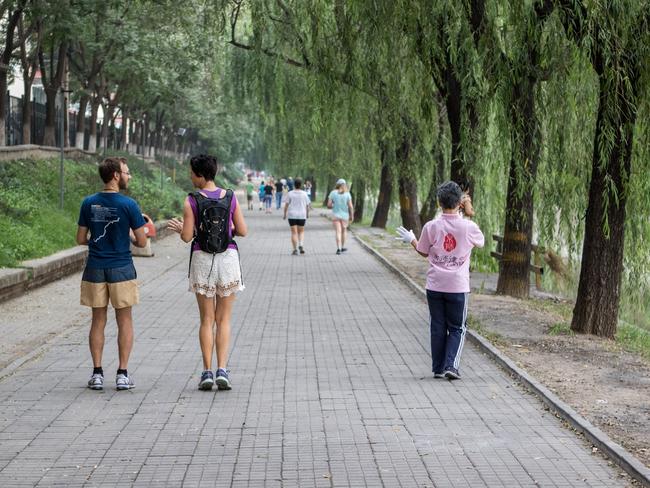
<point>634,338</point>
<point>560,328</point>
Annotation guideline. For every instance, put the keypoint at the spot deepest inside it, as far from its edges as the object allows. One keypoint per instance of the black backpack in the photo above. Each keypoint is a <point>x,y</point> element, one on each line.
<point>213,224</point>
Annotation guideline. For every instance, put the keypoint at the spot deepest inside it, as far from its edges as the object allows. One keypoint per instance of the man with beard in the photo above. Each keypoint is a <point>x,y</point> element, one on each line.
<point>108,223</point>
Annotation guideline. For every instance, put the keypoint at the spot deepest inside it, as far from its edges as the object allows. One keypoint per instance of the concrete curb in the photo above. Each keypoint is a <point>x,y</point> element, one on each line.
<point>33,151</point>
<point>37,272</point>
<point>597,437</point>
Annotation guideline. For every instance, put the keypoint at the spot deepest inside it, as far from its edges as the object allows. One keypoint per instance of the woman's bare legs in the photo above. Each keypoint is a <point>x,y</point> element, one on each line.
<point>294,236</point>
<point>222,314</point>
<point>301,235</point>
<point>337,228</point>
<point>206,329</point>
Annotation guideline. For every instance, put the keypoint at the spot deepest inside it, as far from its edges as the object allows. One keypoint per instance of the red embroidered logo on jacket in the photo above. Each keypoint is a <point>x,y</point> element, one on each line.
<point>450,243</point>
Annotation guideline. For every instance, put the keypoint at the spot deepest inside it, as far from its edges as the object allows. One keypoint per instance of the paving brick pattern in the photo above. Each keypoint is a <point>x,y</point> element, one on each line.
<point>332,388</point>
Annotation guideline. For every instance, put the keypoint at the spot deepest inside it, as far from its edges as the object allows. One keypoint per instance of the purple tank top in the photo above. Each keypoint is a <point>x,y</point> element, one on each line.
<point>213,194</point>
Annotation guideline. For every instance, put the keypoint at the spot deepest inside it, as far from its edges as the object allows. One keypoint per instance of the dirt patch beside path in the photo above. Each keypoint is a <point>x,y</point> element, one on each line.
<point>608,386</point>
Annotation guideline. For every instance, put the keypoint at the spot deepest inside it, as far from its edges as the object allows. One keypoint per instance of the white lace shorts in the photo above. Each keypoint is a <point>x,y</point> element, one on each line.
<point>219,277</point>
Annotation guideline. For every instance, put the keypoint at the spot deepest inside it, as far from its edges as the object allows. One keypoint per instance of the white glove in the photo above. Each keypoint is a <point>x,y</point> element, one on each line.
<point>405,235</point>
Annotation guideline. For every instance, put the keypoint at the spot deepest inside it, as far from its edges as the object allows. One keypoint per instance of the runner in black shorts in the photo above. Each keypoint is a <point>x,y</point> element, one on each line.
<point>296,207</point>
<point>298,222</point>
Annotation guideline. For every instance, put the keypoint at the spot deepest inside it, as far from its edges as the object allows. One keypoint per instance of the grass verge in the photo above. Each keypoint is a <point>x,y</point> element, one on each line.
<point>31,223</point>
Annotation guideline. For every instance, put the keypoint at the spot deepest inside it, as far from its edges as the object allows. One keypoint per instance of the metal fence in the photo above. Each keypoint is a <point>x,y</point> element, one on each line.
<point>14,125</point>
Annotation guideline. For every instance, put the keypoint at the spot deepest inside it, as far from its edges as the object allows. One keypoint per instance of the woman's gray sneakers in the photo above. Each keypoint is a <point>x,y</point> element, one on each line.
<point>223,381</point>
<point>207,381</point>
<point>96,382</point>
<point>124,382</point>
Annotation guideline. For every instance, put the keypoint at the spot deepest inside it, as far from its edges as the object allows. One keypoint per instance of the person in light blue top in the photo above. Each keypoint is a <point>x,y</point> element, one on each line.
<point>340,201</point>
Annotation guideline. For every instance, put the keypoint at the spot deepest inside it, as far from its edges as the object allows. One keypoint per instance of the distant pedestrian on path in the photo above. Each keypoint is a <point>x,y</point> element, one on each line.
<point>279,188</point>
<point>308,189</point>
<point>250,189</point>
<point>340,201</point>
<point>114,222</point>
<point>260,194</point>
<point>447,241</point>
<point>268,196</point>
<point>215,271</point>
<point>296,207</point>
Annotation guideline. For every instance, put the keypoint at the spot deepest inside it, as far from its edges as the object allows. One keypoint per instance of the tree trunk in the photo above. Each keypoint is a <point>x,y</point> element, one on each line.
<point>125,128</point>
<point>108,116</point>
<point>331,181</point>
<point>408,186</point>
<point>514,269</point>
<point>133,136</point>
<point>26,116</point>
<point>158,145</point>
<point>143,140</point>
<point>514,272</point>
<point>313,186</point>
<point>147,140</point>
<point>380,218</point>
<point>408,204</point>
<point>81,121</point>
<point>92,139</point>
<point>49,133</point>
<point>4,98</point>
<point>51,83</point>
<point>5,60</point>
<point>359,199</point>
<point>599,289</point>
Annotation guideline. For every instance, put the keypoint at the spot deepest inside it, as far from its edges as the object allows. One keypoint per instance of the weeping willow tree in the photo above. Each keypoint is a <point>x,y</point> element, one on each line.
<point>615,36</point>
<point>357,87</point>
<point>520,68</point>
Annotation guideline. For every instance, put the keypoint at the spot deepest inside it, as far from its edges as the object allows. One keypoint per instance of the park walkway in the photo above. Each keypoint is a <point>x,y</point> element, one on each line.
<point>332,388</point>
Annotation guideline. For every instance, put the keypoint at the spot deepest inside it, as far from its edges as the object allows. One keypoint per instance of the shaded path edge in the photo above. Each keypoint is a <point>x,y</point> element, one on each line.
<point>597,437</point>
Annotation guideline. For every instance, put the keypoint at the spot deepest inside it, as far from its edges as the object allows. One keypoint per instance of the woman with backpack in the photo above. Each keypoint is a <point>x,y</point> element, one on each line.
<point>215,271</point>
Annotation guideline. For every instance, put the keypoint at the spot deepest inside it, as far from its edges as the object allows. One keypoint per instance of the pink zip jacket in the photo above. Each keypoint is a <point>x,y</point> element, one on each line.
<point>448,241</point>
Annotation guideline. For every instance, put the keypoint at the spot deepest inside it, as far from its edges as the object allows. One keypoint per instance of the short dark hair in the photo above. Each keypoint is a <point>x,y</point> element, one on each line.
<point>297,183</point>
<point>204,165</point>
<point>108,167</point>
<point>449,194</point>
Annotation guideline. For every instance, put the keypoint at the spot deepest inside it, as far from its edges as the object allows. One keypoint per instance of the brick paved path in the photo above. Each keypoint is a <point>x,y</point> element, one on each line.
<point>332,387</point>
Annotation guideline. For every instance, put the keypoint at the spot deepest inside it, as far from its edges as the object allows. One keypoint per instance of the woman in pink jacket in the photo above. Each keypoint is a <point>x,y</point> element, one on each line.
<point>447,241</point>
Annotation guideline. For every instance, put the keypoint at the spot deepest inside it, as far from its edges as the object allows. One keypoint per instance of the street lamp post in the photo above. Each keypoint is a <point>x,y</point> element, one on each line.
<point>61,185</point>
<point>62,141</point>
<point>162,156</point>
<point>179,133</point>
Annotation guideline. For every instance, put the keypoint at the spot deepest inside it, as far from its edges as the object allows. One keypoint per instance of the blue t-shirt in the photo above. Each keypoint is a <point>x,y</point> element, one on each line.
<point>340,201</point>
<point>109,216</point>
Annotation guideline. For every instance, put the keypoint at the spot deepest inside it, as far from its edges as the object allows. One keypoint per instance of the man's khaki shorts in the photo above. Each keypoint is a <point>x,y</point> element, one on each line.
<point>117,284</point>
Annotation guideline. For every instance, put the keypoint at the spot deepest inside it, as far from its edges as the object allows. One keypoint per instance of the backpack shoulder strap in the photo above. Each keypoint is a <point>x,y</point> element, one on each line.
<point>197,196</point>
